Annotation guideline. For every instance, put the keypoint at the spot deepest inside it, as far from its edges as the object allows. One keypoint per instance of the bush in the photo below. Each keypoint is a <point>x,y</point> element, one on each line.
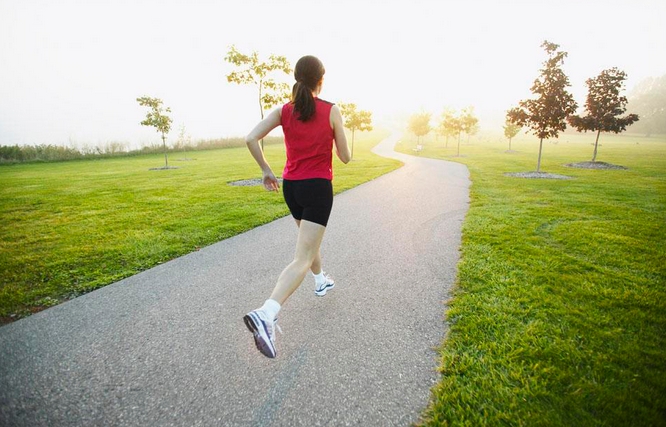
<point>12,154</point>
<point>37,153</point>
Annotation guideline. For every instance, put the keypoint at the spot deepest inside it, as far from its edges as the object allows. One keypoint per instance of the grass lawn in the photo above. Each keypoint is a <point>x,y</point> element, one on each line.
<point>559,314</point>
<point>72,227</point>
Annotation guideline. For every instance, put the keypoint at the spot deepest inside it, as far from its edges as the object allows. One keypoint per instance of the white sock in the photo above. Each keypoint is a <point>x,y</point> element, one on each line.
<point>271,308</point>
<point>319,278</point>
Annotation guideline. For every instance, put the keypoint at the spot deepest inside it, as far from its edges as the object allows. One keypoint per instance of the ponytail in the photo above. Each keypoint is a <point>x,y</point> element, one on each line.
<point>308,73</point>
<point>304,102</point>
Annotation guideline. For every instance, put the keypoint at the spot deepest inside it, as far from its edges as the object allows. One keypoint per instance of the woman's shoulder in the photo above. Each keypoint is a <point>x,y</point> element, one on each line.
<point>325,101</point>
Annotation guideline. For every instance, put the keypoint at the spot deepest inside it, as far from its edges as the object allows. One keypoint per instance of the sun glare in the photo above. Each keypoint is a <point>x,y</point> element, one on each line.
<point>69,75</point>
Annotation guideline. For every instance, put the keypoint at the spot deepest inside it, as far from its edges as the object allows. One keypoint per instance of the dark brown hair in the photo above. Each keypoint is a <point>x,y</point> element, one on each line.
<point>308,73</point>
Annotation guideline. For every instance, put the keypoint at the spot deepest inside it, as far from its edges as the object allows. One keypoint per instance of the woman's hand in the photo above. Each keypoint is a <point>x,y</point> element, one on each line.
<point>270,181</point>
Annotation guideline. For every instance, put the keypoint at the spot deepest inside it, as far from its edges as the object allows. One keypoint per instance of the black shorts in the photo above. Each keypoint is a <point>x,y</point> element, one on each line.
<point>309,199</point>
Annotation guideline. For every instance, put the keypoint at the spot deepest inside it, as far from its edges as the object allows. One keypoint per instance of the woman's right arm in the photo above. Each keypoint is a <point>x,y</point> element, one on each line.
<point>341,146</point>
<point>252,140</point>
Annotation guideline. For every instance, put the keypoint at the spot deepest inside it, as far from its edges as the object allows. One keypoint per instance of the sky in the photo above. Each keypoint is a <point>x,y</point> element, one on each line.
<point>71,70</point>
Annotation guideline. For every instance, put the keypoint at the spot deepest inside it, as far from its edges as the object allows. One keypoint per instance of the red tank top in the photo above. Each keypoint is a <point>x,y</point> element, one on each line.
<point>309,144</point>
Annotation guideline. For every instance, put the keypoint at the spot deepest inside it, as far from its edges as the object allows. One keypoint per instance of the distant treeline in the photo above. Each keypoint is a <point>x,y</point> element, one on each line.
<point>13,154</point>
<point>648,100</point>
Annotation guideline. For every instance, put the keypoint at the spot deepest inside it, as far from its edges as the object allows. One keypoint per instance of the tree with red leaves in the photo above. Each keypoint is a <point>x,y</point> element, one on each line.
<point>604,105</point>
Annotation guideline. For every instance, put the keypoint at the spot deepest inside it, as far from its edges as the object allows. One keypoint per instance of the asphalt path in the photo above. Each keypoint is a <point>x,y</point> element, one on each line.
<point>168,347</point>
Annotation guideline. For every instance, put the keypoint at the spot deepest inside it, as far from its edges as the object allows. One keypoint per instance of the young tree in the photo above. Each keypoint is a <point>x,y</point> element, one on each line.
<point>360,120</point>
<point>603,106</point>
<point>454,124</point>
<point>469,122</point>
<point>184,141</point>
<point>510,130</point>
<point>546,114</point>
<point>419,125</point>
<point>250,70</point>
<point>157,118</point>
<point>448,125</point>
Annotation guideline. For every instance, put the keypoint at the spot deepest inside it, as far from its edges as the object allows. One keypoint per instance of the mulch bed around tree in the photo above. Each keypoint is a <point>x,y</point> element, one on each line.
<point>537,175</point>
<point>581,165</point>
<point>595,165</point>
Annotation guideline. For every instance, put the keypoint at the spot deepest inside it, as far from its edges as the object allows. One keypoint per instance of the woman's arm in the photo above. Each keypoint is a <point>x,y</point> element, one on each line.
<point>271,121</point>
<point>341,146</point>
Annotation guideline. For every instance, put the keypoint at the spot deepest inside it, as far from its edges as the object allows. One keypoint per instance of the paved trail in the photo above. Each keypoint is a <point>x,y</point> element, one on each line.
<point>168,347</point>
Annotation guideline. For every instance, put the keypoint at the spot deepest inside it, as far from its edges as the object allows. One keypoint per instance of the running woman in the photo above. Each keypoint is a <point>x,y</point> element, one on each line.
<point>311,126</point>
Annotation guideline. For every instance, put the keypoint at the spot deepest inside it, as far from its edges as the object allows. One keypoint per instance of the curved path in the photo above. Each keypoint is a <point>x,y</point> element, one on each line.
<point>168,347</point>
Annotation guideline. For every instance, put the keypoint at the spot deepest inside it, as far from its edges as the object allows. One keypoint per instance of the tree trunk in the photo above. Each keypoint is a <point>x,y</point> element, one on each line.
<point>596,144</point>
<point>166,162</point>
<point>539,161</point>
<point>509,144</point>
<point>446,144</point>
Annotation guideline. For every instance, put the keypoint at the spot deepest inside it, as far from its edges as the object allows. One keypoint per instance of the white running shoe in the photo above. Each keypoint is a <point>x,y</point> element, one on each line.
<point>320,290</point>
<point>263,330</point>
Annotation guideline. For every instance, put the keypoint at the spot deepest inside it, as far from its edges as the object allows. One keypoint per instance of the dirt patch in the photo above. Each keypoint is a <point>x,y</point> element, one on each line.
<point>537,175</point>
<point>595,165</point>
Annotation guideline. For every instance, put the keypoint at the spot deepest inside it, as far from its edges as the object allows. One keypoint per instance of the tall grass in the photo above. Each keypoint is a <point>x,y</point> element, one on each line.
<point>559,314</point>
<point>11,154</point>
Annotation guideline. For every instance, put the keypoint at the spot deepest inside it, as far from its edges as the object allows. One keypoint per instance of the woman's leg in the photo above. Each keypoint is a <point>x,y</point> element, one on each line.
<point>316,264</point>
<point>310,235</point>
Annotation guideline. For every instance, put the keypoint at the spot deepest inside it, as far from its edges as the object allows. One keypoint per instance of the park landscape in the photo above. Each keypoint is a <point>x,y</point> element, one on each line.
<point>558,314</point>
<point>557,318</point>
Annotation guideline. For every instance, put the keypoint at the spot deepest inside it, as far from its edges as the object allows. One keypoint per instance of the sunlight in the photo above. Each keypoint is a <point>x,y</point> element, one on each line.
<point>69,75</point>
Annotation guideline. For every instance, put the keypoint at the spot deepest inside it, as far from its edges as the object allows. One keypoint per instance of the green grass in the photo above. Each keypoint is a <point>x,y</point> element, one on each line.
<point>72,227</point>
<point>559,314</point>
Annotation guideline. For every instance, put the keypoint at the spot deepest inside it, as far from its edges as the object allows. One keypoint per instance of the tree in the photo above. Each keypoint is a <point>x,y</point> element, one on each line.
<point>510,130</point>
<point>253,71</point>
<point>448,125</point>
<point>360,120</point>
<point>419,125</point>
<point>454,124</point>
<point>603,106</point>
<point>546,114</point>
<point>648,100</point>
<point>469,122</point>
<point>184,141</point>
<point>157,118</point>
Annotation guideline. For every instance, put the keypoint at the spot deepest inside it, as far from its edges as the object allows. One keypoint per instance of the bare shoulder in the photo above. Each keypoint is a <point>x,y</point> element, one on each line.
<point>275,115</point>
<point>335,116</point>
<point>335,110</point>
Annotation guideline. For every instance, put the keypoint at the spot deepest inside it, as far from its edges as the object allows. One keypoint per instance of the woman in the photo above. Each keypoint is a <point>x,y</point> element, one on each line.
<point>310,127</point>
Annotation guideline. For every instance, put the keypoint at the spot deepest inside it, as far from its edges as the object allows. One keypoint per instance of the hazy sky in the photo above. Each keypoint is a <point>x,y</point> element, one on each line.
<point>71,70</point>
